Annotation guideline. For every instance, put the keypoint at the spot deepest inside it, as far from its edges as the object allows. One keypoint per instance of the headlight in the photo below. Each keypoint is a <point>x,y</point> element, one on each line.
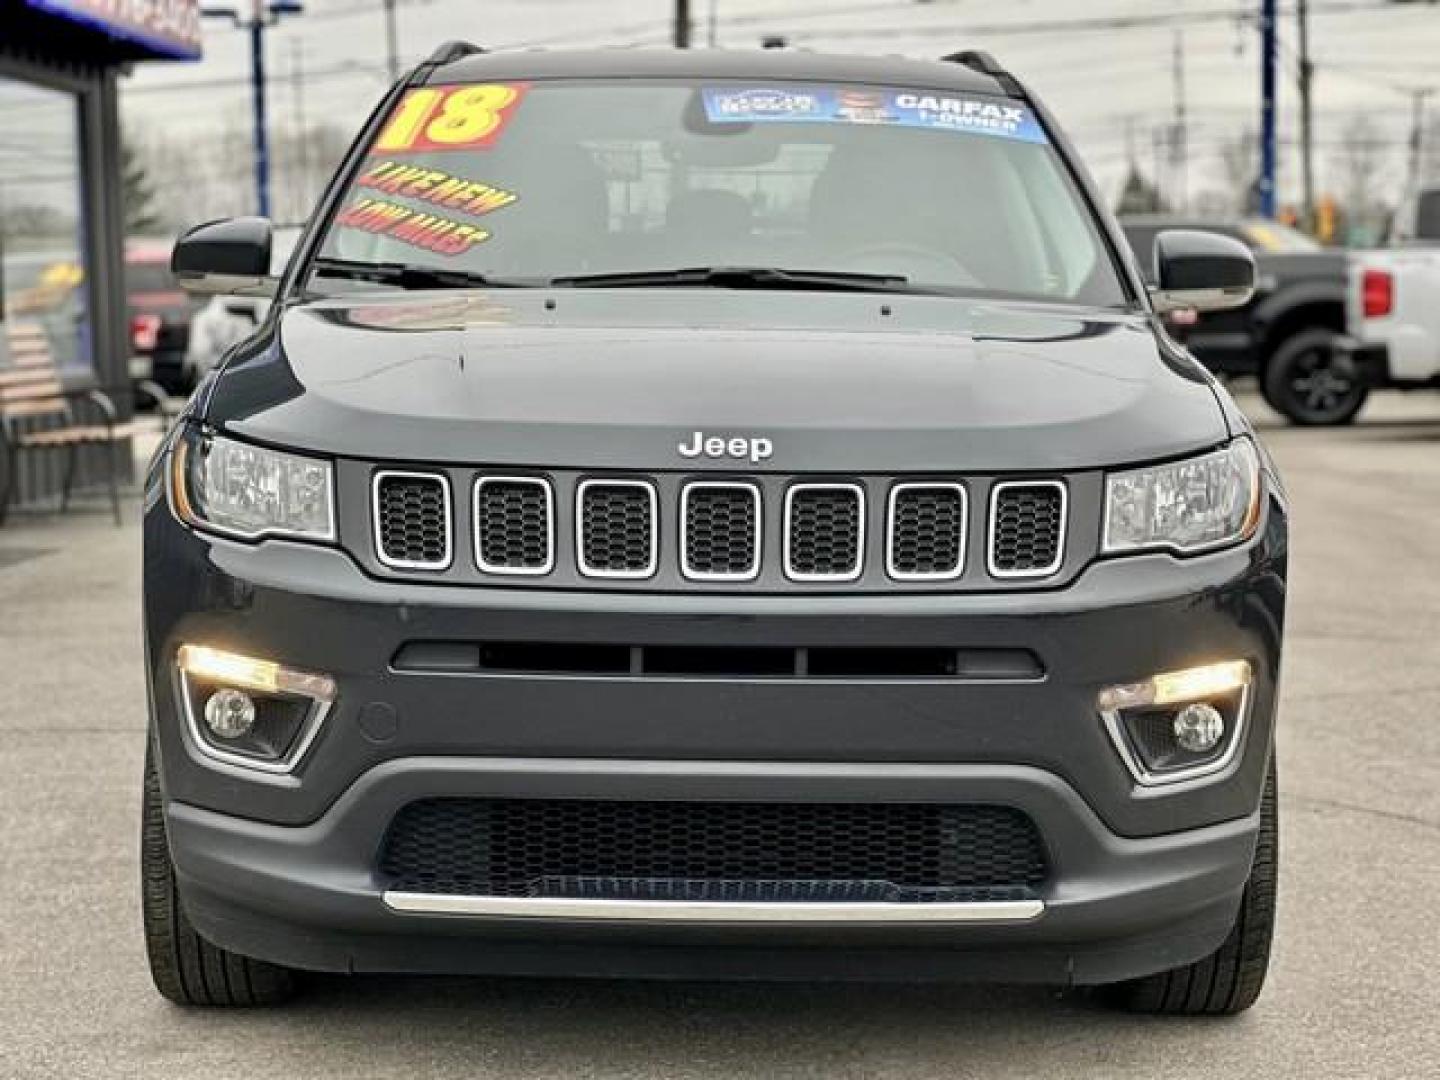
<point>249,491</point>
<point>1193,505</point>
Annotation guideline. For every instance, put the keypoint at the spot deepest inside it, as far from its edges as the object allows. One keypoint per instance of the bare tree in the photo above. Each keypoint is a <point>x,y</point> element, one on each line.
<point>1358,162</point>
<point>211,175</point>
<point>1240,167</point>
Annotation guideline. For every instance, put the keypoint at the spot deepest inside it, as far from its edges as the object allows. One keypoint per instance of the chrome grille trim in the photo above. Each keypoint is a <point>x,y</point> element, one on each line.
<point>594,572</point>
<point>518,571</point>
<point>927,485</point>
<point>721,485</point>
<point>788,564</point>
<point>377,537</point>
<point>1053,567</point>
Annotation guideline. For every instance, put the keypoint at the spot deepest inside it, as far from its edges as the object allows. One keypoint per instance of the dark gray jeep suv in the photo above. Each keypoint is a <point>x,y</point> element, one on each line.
<point>713,515</point>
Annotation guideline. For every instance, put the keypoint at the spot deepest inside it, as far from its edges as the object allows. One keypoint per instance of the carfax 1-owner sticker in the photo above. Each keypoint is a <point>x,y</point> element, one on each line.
<point>976,114</point>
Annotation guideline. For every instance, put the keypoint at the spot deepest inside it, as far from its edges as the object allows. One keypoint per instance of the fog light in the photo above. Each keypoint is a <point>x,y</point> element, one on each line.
<point>250,712</point>
<point>1178,687</point>
<point>1198,728</point>
<point>230,714</point>
<point>1179,725</point>
<point>265,676</point>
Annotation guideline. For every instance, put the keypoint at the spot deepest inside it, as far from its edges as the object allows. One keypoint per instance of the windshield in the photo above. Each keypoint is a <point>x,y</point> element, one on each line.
<point>523,184</point>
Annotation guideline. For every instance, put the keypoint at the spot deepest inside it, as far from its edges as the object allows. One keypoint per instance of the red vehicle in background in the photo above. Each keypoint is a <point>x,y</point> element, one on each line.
<point>159,314</point>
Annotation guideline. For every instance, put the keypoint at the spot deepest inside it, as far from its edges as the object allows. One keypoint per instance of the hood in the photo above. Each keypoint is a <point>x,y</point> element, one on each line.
<point>618,379</point>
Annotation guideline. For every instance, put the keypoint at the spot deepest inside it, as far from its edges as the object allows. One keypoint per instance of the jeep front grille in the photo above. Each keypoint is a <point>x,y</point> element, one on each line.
<point>925,540</point>
<point>514,525</point>
<point>1027,528</point>
<point>616,531</point>
<point>824,532</point>
<point>765,533</point>
<point>768,852</point>
<point>720,531</point>
<point>411,512</point>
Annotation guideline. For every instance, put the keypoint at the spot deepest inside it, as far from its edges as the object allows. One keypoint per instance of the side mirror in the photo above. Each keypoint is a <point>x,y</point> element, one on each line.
<point>1203,271</point>
<point>230,257</point>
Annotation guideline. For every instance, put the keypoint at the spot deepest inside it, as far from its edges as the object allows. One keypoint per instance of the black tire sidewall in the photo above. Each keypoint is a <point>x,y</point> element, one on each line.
<point>1275,380</point>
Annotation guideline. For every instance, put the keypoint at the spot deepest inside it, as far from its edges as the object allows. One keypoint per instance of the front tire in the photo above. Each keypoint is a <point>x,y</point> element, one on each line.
<point>1308,383</point>
<point>186,968</point>
<point>1229,980</point>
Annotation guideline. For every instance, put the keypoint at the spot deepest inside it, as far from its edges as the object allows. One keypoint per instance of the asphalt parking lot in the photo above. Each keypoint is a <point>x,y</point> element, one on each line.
<point>1355,988</point>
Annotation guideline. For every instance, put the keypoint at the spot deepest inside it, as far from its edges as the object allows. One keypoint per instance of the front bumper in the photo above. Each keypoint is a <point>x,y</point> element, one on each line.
<point>285,867</point>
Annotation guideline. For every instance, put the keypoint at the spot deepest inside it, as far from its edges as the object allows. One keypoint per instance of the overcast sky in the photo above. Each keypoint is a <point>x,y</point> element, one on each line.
<point>1111,88</point>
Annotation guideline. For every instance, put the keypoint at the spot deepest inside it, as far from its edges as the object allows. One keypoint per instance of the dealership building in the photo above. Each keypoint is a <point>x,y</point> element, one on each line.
<point>62,240</point>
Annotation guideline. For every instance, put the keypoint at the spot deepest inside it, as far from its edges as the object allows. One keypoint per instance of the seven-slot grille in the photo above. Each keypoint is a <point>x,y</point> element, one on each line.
<point>1027,528</point>
<point>769,852</point>
<point>616,525</point>
<point>720,531</point>
<point>514,525</point>
<point>412,520</point>
<point>926,537</point>
<point>616,529</point>
<point>824,532</point>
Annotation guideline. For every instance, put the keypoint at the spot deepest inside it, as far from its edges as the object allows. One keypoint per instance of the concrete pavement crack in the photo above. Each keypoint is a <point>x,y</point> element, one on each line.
<point>1369,811</point>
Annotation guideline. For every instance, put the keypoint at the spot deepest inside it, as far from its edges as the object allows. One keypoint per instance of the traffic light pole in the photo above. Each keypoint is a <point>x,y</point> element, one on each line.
<point>1268,58</point>
<point>263,14</point>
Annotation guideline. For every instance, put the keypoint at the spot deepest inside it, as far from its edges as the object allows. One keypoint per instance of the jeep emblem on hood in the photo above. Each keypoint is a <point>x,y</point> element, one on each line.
<point>726,446</point>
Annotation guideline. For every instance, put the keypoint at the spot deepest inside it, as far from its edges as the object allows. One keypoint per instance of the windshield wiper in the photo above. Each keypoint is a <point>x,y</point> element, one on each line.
<point>406,276</point>
<point>738,277</point>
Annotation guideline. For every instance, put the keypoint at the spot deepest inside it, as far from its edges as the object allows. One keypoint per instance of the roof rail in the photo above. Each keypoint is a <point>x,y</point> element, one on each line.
<point>451,51</point>
<point>986,64</point>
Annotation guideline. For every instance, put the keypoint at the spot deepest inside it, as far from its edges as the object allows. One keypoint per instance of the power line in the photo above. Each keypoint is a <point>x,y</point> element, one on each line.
<point>1090,24</point>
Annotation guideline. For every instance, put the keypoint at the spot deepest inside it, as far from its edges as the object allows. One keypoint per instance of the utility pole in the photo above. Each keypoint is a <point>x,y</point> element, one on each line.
<point>1418,97</point>
<point>263,15</point>
<point>1157,149</point>
<point>302,136</point>
<point>682,24</point>
<point>392,42</point>
<point>1307,87</point>
<point>1268,62</point>
<point>713,24</point>
<point>1180,148</point>
<point>262,122</point>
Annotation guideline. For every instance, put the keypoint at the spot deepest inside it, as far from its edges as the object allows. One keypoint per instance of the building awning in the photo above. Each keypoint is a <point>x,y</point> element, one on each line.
<point>134,29</point>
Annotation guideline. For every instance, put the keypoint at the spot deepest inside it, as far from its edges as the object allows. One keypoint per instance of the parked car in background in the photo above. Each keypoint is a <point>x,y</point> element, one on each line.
<point>160,313</point>
<point>1290,337</point>
<point>1395,317</point>
<point>225,321</point>
<point>1417,220</point>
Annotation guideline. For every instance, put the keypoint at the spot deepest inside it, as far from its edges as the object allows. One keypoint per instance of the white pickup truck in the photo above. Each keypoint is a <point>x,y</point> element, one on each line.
<point>1393,302</point>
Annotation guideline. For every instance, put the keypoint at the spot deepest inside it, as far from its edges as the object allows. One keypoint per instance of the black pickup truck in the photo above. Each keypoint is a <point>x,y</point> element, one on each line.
<point>1287,335</point>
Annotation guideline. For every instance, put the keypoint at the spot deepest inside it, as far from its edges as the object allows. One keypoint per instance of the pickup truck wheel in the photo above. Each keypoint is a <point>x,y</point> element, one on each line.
<point>1308,383</point>
<point>1229,980</point>
<point>186,968</point>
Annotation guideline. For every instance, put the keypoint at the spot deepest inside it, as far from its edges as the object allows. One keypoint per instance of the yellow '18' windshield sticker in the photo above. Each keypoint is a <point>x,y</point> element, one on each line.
<point>432,118</point>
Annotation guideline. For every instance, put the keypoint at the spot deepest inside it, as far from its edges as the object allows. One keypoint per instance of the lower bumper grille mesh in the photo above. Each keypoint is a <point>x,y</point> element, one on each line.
<point>816,852</point>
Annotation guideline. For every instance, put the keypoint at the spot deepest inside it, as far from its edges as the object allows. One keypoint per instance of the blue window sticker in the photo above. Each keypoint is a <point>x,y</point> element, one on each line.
<point>976,114</point>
